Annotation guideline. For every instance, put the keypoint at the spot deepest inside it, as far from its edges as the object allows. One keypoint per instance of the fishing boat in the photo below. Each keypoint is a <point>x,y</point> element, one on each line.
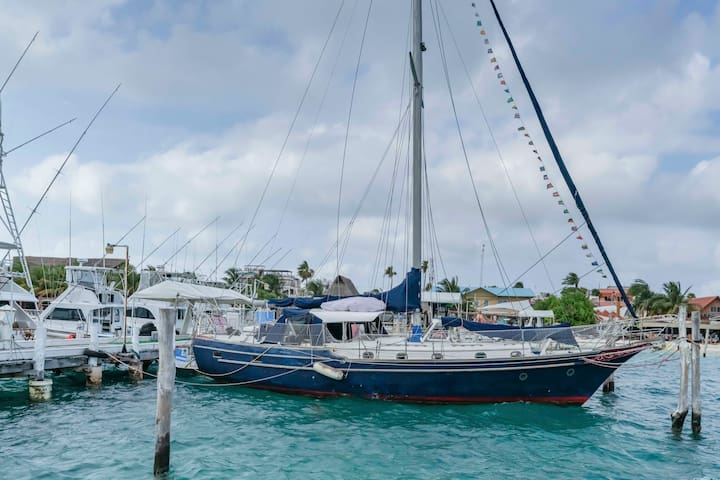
<point>90,298</point>
<point>375,346</point>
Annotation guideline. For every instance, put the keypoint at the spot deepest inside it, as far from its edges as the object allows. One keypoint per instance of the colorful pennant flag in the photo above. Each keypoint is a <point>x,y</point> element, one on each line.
<point>556,194</point>
<point>493,60</point>
<point>487,42</point>
<point>517,115</point>
<point>549,186</point>
<point>520,129</point>
<point>545,177</point>
<point>489,50</point>
<point>542,169</point>
<point>479,23</point>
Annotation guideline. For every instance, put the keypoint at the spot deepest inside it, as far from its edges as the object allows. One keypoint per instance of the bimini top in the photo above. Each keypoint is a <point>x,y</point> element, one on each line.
<point>330,316</point>
<point>170,290</point>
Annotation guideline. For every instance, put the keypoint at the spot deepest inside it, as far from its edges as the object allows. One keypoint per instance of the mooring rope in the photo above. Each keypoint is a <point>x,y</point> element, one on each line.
<point>234,384</point>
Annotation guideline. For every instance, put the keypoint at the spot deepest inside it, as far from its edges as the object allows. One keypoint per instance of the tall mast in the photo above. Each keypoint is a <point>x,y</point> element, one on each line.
<point>416,65</point>
<point>561,165</point>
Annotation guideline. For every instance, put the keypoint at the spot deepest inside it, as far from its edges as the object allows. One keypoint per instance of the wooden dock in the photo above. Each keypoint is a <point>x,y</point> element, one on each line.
<point>17,356</point>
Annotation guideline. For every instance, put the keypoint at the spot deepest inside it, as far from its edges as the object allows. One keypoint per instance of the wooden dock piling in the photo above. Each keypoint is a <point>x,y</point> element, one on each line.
<point>678,416</point>
<point>696,405</point>
<point>165,385</point>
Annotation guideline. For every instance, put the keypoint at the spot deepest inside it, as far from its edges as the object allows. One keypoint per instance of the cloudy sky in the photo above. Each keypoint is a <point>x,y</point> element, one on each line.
<point>209,92</point>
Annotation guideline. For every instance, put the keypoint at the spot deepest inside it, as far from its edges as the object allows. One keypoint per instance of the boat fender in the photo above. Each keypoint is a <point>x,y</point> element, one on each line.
<point>94,353</point>
<point>328,371</point>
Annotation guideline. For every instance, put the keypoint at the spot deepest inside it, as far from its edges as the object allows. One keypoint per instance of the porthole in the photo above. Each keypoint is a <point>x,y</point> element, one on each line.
<point>401,356</point>
<point>480,355</point>
<point>217,355</point>
<point>570,372</point>
<point>368,355</point>
<point>516,353</point>
<point>523,376</point>
<point>437,356</point>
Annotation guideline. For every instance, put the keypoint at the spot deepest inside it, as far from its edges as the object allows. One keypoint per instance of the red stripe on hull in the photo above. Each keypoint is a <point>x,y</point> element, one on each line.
<point>574,400</point>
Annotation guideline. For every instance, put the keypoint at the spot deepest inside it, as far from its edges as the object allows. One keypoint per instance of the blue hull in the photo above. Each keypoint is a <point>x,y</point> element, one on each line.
<point>563,379</point>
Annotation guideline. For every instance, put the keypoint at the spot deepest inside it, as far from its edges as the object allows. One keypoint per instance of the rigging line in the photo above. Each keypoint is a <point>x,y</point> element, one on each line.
<point>385,229</point>
<point>348,228</point>
<point>217,246</point>
<point>72,150</point>
<point>280,259</point>
<point>222,260</point>
<point>142,250</point>
<point>315,121</point>
<point>579,278</point>
<point>272,254</point>
<point>287,136</point>
<point>158,247</point>
<point>250,262</point>
<point>431,216</point>
<point>503,275</point>
<point>124,236</point>
<point>7,79</point>
<point>102,222</point>
<point>548,253</point>
<point>372,179</point>
<point>37,137</point>
<point>495,144</point>
<point>561,164</point>
<point>347,136</point>
<point>384,241</point>
<point>182,247</point>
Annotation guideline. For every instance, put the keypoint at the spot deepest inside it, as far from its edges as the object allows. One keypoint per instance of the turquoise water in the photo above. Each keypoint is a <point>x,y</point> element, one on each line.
<point>220,432</point>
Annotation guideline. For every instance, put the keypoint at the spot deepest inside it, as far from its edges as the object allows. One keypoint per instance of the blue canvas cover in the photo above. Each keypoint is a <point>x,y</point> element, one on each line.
<point>404,297</point>
<point>560,333</point>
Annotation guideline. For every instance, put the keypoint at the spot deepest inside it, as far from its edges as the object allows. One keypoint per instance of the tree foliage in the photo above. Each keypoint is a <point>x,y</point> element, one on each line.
<point>572,307</point>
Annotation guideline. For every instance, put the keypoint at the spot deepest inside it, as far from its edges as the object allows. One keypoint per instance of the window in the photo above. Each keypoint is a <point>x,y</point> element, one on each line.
<point>140,312</point>
<point>69,314</point>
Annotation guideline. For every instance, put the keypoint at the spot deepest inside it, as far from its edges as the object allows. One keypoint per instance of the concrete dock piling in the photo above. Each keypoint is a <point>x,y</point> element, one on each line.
<point>39,387</point>
<point>678,416</point>
<point>696,344</point>
<point>165,385</point>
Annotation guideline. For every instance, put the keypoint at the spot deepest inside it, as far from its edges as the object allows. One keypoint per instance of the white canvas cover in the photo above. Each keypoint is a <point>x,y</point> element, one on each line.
<point>441,297</point>
<point>330,316</point>
<point>11,291</point>
<point>170,290</point>
<point>354,304</point>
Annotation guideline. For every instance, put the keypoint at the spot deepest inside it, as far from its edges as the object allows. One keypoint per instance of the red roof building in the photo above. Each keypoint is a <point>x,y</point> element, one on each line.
<point>709,307</point>
<point>611,296</point>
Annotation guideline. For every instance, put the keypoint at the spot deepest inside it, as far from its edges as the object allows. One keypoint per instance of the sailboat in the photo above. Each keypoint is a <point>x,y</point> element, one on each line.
<point>374,346</point>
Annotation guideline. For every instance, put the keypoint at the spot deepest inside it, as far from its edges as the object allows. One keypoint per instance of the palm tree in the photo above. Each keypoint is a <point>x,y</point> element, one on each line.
<point>571,280</point>
<point>315,287</point>
<point>305,272</point>
<point>424,266</point>
<point>519,285</point>
<point>449,285</point>
<point>232,276</point>
<point>675,295</point>
<point>389,272</point>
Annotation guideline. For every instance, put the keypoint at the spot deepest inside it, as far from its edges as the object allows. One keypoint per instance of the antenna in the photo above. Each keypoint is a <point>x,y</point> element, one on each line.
<point>70,229</point>
<point>102,221</point>
<point>142,251</point>
<point>217,246</point>
<point>190,240</point>
<point>158,247</point>
<point>72,150</point>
